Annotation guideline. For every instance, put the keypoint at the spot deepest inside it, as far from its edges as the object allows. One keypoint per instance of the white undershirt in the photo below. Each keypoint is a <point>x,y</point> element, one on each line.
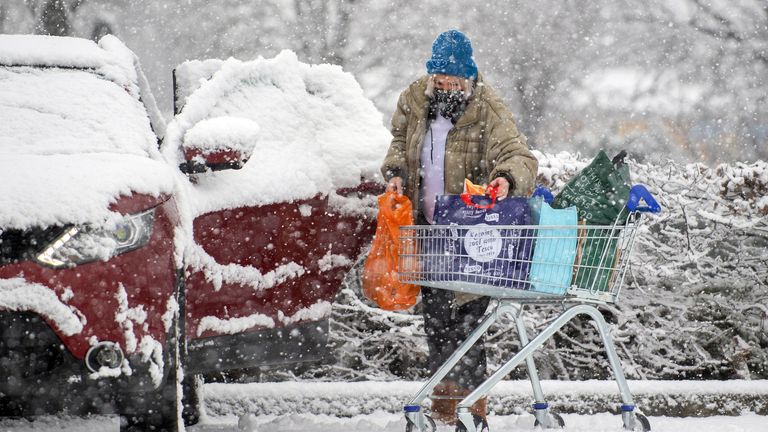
<point>433,164</point>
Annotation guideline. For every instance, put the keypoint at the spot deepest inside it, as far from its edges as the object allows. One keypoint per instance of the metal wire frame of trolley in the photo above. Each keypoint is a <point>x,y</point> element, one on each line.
<point>577,266</point>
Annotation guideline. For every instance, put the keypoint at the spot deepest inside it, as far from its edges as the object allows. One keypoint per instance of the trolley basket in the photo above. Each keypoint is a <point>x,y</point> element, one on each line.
<point>585,261</point>
<point>522,266</point>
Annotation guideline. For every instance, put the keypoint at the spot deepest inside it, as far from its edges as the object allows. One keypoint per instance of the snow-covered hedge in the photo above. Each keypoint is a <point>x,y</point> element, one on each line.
<point>655,398</point>
<point>694,305</point>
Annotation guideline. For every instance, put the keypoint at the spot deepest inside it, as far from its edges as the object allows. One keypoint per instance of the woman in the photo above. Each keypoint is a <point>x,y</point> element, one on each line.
<point>450,125</point>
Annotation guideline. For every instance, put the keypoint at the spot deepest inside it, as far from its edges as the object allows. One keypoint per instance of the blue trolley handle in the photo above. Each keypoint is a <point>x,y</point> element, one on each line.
<point>544,193</point>
<point>638,193</point>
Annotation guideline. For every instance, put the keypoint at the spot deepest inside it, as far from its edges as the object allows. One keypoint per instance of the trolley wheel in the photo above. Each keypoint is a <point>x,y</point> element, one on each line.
<point>410,427</point>
<point>481,425</point>
<point>558,421</point>
<point>641,423</point>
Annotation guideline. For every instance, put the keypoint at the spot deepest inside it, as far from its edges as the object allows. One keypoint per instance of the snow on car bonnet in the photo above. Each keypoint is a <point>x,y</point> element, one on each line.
<point>317,131</point>
<point>73,133</point>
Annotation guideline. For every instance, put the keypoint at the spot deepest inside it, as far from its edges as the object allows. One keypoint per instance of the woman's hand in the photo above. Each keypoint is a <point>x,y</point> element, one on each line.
<point>395,185</point>
<point>503,187</point>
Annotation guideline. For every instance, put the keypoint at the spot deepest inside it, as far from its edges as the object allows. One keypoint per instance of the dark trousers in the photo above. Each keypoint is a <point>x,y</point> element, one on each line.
<point>447,326</point>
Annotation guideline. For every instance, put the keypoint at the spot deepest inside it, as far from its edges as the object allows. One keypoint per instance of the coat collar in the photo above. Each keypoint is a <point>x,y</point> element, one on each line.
<point>471,113</point>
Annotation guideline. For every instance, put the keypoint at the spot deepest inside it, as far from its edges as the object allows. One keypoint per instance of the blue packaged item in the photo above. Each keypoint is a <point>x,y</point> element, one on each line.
<point>555,249</point>
<point>475,250</point>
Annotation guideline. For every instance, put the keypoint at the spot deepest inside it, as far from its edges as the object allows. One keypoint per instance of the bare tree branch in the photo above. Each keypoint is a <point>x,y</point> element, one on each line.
<point>54,19</point>
<point>726,30</point>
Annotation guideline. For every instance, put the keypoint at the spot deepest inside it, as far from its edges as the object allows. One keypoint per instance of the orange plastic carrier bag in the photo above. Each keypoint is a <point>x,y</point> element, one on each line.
<point>380,282</point>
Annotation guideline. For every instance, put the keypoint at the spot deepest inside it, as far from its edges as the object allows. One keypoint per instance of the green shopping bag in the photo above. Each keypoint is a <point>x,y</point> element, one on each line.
<point>600,193</point>
<point>596,260</point>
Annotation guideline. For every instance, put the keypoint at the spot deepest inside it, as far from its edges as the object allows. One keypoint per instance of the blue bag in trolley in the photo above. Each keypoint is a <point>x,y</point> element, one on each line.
<point>555,248</point>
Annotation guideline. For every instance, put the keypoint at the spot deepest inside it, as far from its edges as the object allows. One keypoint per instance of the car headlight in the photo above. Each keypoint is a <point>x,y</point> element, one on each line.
<point>82,244</point>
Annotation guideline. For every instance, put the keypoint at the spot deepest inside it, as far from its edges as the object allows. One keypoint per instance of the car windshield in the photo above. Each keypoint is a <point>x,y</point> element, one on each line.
<point>68,111</point>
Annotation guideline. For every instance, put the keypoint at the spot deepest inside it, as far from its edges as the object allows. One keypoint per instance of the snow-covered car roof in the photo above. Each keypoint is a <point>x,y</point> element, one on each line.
<point>110,58</point>
<point>55,111</point>
<point>317,131</point>
<point>74,134</point>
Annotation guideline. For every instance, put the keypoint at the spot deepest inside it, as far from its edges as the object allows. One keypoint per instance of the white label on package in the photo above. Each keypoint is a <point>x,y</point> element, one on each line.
<point>482,243</point>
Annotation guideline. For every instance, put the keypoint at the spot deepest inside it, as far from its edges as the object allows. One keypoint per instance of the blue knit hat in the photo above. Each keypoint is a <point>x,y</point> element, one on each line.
<point>452,55</point>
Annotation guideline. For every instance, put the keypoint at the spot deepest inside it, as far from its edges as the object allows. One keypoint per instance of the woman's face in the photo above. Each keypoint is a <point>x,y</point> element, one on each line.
<point>449,82</point>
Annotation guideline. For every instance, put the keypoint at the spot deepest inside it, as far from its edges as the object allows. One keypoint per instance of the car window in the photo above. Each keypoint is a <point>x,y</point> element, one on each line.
<point>67,111</point>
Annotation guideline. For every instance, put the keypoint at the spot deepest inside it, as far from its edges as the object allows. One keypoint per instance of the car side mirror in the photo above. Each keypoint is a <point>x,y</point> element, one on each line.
<point>218,143</point>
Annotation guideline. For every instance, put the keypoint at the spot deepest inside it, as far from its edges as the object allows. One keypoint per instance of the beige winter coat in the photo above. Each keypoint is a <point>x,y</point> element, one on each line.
<point>483,144</point>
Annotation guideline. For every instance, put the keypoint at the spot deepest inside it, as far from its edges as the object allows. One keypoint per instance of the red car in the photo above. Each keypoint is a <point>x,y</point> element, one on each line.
<point>89,287</point>
<point>108,253</point>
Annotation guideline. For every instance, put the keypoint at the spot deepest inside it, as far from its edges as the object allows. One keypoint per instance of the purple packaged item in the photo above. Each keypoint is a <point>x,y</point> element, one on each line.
<point>475,250</point>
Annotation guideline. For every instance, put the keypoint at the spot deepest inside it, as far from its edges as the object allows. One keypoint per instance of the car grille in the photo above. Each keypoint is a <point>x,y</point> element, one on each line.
<point>17,245</point>
<point>28,347</point>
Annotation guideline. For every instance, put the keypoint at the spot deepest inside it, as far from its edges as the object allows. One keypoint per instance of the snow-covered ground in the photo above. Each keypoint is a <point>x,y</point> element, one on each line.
<point>389,422</point>
<point>374,407</point>
<point>61,424</point>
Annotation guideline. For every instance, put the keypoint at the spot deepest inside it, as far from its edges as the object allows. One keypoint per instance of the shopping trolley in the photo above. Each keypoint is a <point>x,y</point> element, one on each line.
<point>576,266</point>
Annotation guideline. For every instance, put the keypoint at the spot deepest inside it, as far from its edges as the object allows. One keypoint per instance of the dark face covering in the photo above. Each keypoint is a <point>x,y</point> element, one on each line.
<point>449,103</point>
